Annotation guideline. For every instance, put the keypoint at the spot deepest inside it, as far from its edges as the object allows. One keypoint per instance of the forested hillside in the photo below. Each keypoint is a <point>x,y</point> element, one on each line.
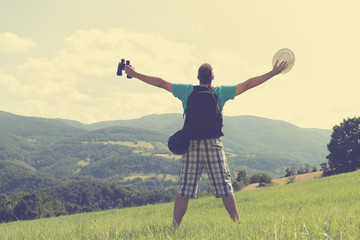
<point>51,167</point>
<point>38,152</point>
<point>252,143</point>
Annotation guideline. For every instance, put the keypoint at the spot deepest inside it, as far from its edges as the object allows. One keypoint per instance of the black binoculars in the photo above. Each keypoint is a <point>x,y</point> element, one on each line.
<point>121,67</point>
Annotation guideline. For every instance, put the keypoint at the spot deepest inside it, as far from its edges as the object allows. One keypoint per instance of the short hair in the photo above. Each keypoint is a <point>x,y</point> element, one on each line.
<point>205,73</point>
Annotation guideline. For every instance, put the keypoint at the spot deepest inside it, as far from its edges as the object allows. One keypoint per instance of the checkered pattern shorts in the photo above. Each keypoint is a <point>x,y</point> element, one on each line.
<point>208,154</point>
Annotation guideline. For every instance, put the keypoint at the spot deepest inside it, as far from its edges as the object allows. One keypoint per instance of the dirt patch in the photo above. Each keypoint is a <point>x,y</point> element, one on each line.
<point>283,181</point>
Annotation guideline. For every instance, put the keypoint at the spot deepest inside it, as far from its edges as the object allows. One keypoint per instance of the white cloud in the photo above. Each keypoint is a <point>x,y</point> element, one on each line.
<point>96,53</point>
<point>8,85</point>
<point>79,81</point>
<point>10,42</point>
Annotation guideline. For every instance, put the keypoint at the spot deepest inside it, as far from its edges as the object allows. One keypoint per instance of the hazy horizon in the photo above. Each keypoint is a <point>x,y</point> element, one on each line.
<point>180,117</point>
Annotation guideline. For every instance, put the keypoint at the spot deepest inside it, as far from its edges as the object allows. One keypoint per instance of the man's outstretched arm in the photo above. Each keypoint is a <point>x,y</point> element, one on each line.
<point>155,81</point>
<point>255,81</point>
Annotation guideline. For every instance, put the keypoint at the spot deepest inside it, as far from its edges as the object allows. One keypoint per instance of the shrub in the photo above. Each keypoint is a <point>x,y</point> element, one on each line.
<point>261,178</point>
<point>291,179</point>
<point>238,185</point>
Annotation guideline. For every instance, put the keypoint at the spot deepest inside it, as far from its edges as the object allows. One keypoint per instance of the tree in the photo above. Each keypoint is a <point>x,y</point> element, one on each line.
<point>301,170</point>
<point>324,166</point>
<point>243,177</point>
<point>304,169</point>
<point>236,185</point>
<point>261,178</point>
<point>265,179</point>
<point>344,146</point>
<point>5,208</point>
<point>29,207</point>
<point>289,172</point>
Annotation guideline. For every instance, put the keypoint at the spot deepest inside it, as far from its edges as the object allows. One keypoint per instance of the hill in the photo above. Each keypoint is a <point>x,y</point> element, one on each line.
<point>115,150</point>
<point>17,176</point>
<point>167,123</point>
<point>14,147</point>
<point>325,208</point>
<point>37,130</point>
<point>244,135</point>
<point>252,143</point>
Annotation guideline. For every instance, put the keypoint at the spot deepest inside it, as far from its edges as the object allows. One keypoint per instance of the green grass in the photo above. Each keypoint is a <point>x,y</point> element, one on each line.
<point>326,208</point>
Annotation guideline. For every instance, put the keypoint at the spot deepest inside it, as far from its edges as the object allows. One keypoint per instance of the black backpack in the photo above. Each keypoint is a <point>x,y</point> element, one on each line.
<point>203,118</point>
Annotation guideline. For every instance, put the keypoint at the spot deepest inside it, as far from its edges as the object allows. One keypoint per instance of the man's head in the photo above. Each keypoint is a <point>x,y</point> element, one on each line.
<point>205,74</point>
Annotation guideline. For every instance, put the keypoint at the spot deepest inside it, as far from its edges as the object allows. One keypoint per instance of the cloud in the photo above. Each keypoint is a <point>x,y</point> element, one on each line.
<point>10,42</point>
<point>96,53</point>
<point>8,83</point>
<point>79,81</point>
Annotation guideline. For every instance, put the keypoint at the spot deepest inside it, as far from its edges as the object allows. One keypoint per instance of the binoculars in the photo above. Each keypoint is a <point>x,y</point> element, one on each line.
<point>121,67</point>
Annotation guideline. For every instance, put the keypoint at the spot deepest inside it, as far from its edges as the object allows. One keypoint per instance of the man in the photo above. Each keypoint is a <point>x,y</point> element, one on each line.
<point>205,153</point>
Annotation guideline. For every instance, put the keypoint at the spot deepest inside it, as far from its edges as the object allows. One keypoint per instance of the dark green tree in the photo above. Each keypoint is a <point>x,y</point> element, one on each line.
<point>243,177</point>
<point>304,169</point>
<point>344,146</point>
<point>324,166</point>
<point>290,172</point>
<point>237,185</point>
<point>5,208</point>
<point>29,207</point>
<point>261,178</point>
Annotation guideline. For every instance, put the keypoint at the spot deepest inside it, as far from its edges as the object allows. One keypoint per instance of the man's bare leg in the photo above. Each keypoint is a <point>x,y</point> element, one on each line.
<point>180,207</point>
<point>231,208</point>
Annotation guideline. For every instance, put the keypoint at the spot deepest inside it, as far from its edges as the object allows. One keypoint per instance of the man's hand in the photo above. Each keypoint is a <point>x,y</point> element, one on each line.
<point>130,71</point>
<point>278,69</point>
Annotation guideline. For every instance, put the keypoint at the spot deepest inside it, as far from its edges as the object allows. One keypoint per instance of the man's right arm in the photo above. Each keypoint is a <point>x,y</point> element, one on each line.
<point>154,81</point>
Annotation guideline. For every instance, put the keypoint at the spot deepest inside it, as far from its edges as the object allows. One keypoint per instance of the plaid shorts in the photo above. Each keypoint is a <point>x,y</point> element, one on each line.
<point>208,154</point>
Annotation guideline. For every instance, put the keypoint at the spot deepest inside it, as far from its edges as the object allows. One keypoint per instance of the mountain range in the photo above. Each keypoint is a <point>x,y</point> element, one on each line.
<point>41,151</point>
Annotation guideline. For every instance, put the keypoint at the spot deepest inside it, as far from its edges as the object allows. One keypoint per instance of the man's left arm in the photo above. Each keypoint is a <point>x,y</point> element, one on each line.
<point>255,81</point>
<point>154,81</point>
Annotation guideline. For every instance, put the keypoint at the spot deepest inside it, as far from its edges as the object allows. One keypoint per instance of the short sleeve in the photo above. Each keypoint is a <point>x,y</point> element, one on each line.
<point>182,92</point>
<point>224,94</point>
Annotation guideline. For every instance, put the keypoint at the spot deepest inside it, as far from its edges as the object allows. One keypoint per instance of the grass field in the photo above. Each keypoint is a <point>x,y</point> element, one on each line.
<point>325,208</point>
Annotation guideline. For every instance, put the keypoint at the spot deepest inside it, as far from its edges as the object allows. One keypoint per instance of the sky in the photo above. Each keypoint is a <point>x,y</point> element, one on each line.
<point>58,59</point>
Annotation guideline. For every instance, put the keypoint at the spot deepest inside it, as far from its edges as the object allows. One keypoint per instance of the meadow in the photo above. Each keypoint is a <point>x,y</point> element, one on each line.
<point>324,208</point>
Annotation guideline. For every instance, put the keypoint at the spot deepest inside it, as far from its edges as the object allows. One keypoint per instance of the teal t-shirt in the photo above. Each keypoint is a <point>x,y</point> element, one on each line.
<point>223,93</point>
